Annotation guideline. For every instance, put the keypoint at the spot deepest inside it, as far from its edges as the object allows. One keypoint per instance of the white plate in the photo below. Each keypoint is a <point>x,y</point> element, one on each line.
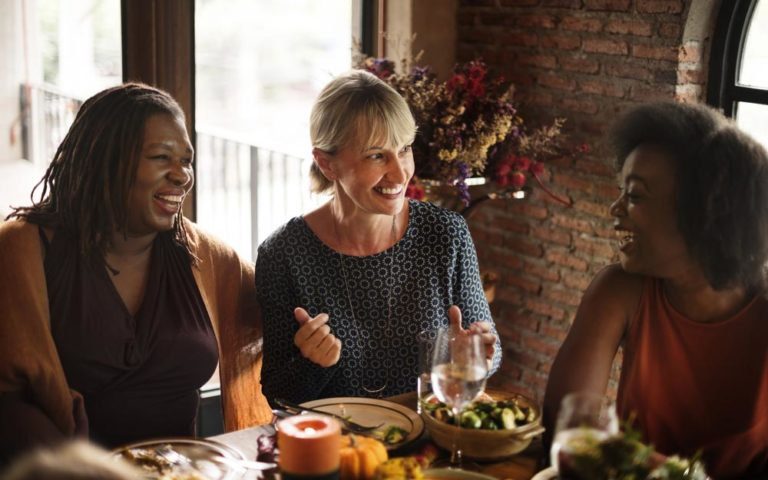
<point>371,411</point>
<point>546,474</point>
<point>200,451</point>
<point>441,473</point>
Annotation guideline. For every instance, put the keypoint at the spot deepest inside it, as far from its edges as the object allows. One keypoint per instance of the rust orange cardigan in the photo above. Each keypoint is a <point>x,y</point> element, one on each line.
<point>29,363</point>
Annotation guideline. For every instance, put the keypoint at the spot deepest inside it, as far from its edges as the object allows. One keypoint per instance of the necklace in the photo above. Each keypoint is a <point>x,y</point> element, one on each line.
<point>388,325</point>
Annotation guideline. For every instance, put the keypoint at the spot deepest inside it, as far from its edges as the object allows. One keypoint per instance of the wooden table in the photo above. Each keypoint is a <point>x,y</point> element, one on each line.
<point>519,467</point>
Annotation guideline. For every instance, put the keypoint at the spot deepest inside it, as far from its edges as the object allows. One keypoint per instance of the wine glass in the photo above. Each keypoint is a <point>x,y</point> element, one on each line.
<point>459,371</point>
<point>426,343</point>
<point>583,417</point>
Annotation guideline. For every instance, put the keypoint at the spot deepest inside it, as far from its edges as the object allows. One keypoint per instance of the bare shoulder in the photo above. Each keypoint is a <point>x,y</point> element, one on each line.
<point>615,289</point>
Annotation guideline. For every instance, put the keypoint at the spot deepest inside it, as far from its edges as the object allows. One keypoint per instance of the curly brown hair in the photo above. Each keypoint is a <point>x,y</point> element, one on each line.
<point>721,176</point>
<point>86,187</point>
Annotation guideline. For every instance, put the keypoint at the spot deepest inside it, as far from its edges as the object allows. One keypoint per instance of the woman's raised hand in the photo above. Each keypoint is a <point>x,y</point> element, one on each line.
<point>315,340</point>
<point>480,328</point>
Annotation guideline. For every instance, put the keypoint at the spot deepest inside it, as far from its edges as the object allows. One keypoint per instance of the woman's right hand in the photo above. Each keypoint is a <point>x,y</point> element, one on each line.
<point>315,340</point>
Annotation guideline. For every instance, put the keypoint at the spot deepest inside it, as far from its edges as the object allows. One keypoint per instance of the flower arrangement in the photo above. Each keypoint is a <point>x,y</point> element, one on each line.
<point>468,126</point>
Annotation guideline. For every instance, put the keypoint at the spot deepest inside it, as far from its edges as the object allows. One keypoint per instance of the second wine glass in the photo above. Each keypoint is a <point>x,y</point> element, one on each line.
<point>459,372</point>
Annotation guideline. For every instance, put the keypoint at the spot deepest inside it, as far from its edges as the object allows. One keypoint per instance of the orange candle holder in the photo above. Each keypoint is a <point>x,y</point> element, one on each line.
<point>309,446</point>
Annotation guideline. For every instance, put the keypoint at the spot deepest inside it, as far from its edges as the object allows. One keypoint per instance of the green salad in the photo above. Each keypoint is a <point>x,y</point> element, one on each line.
<point>486,415</point>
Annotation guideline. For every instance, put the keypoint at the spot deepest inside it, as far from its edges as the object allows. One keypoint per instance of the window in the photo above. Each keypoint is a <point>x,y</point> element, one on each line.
<point>738,80</point>
<point>259,66</point>
<point>55,54</point>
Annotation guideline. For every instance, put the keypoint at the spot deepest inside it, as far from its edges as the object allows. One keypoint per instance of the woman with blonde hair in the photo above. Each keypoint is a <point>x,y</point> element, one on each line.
<point>346,288</point>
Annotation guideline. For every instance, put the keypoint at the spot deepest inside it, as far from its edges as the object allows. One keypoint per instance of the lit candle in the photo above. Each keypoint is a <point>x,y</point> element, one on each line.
<point>309,447</point>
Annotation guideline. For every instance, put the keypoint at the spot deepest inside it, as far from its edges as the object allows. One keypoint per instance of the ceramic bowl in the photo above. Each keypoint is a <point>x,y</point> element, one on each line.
<point>482,444</point>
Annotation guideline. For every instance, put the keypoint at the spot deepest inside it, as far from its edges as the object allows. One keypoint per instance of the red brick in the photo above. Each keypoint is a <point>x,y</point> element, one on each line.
<point>594,247</point>
<point>541,99</point>
<point>557,332</point>
<point>528,210</point>
<point>577,280</point>
<point>524,322</point>
<point>579,64</point>
<point>536,21</point>
<point>566,260</point>
<point>573,4</point>
<point>689,93</point>
<point>690,52</point>
<point>597,209</point>
<point>608,47</point>
<point>541,61</point>
<point>605,189</point>
<point>655,53</point>
<point>519,39</point>
<point>565,297</point>
<point>551,235</point>
<point>573,182</point>
<point>506,259</point>
<point>542,271</point>
<point>523,358</point>
<point>602,169</point>
<point>513,225</point>
<point>581,24</point>
<point>580,105</point>
<point>597,87</point>
<point>568,221</point>
<point>526,247</point>
<point>466,19</point>
<point>543,308</point>
<point>606,232</point>
<point>652,94</point>
<point>621,27</point>
<point>659,6</point>
<point>669,30</point>
<point>508,296</point>
<point>612,5</point>
<point>624,70</point>
<point>475,35</point>
<point>562,42</point>
<point>525,284</point>
<point>541,345</point>
<point>557,82</point>
<point>519,3</point>
<point>536,380</point>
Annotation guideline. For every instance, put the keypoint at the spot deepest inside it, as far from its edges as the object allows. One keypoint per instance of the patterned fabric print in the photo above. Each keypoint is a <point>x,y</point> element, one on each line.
<point>435,266</point>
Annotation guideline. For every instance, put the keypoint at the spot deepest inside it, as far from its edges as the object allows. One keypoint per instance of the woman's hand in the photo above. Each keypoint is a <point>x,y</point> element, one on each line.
<point>478,328</point>
<point>315,340</point>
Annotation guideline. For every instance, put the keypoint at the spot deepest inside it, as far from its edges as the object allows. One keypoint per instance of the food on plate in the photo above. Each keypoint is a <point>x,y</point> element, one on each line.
<point>401,468</point>
<point>485,414</point>
<point>158,466</point>
<point>391,434</point>
<point>587,456</point>
<point>360,456</point>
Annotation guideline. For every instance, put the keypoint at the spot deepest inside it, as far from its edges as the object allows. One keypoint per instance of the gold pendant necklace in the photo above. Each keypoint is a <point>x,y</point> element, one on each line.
<point>388,329</point>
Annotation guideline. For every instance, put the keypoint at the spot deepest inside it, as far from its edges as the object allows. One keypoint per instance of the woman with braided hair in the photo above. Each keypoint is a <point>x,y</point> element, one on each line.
<point>114,309</point>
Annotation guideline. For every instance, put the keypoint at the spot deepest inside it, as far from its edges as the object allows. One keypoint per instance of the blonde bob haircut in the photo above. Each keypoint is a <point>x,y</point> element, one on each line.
<point>357,107</point>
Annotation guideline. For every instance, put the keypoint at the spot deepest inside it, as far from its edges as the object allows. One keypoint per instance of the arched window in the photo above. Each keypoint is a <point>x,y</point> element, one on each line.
<point>738,72</point>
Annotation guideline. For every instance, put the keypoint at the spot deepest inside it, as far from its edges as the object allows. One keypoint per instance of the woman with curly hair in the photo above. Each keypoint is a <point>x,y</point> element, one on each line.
<point>687,302</point>
<point>114,309</point>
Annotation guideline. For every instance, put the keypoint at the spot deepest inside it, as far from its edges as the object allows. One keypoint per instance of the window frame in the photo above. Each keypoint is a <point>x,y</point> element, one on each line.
<point>723,89</point>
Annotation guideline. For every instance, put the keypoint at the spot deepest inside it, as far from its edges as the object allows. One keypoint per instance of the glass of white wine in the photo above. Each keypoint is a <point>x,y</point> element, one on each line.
<point>583,417</point>
<point>459,372</point>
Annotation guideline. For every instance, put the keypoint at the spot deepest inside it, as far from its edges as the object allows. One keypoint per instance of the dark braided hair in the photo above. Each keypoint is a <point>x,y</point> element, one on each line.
<point>85,189</point>
<point>721,178</point>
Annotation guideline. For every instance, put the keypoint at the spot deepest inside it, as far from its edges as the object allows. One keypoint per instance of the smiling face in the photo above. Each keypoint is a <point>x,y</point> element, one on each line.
<point>650,242</point>
<point>163,178</point>
<point>372,175</point>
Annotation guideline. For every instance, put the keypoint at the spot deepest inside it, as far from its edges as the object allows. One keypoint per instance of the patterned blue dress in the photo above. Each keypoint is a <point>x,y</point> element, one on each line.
<point>393,294</point>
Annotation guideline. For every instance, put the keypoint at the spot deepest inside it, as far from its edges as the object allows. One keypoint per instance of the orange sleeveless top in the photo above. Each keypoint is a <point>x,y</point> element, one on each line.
<point>699,386</point>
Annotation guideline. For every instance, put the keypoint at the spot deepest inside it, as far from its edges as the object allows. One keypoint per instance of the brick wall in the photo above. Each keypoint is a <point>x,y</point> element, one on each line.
<point>587,61</point>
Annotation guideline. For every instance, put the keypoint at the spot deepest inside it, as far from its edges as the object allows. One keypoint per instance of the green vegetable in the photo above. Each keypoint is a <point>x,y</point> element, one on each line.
<point>508,418</point>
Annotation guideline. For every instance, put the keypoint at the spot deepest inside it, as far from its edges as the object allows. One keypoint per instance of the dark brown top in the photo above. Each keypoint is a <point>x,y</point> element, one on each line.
<point>139,374</point>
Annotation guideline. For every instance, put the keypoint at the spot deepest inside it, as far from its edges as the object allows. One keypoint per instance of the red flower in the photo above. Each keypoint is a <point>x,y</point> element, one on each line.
<point>414,191</point>
<point>503,170</point>
<point>583,148</point>
<point>522,163</point>
<point>458,80</point>
<point>517,179</point>
<point>537,168</point>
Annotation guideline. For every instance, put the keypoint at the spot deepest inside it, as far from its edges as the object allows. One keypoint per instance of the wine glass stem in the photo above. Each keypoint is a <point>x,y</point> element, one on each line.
<point>455,452</point>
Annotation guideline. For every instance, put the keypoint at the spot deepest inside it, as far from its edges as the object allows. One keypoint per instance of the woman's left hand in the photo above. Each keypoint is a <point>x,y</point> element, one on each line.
<point>478,328</point>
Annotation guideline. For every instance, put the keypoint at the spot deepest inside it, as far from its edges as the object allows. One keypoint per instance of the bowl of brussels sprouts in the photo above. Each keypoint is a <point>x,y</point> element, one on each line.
<point>494,426</point>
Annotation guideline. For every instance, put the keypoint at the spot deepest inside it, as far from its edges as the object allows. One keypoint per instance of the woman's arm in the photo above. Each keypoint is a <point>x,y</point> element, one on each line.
<point>585,358</point>
<point>286,372</point>
<point>470,296</point>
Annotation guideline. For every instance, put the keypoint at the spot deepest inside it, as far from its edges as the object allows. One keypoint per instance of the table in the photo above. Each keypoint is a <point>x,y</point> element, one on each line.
<point>519,467</point>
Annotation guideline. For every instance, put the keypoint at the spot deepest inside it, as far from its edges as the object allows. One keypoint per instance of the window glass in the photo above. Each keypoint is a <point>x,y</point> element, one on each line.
<point>55,54</point>
<point>754,60</point>
<point>752,118</point>
<point>259,66</point>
